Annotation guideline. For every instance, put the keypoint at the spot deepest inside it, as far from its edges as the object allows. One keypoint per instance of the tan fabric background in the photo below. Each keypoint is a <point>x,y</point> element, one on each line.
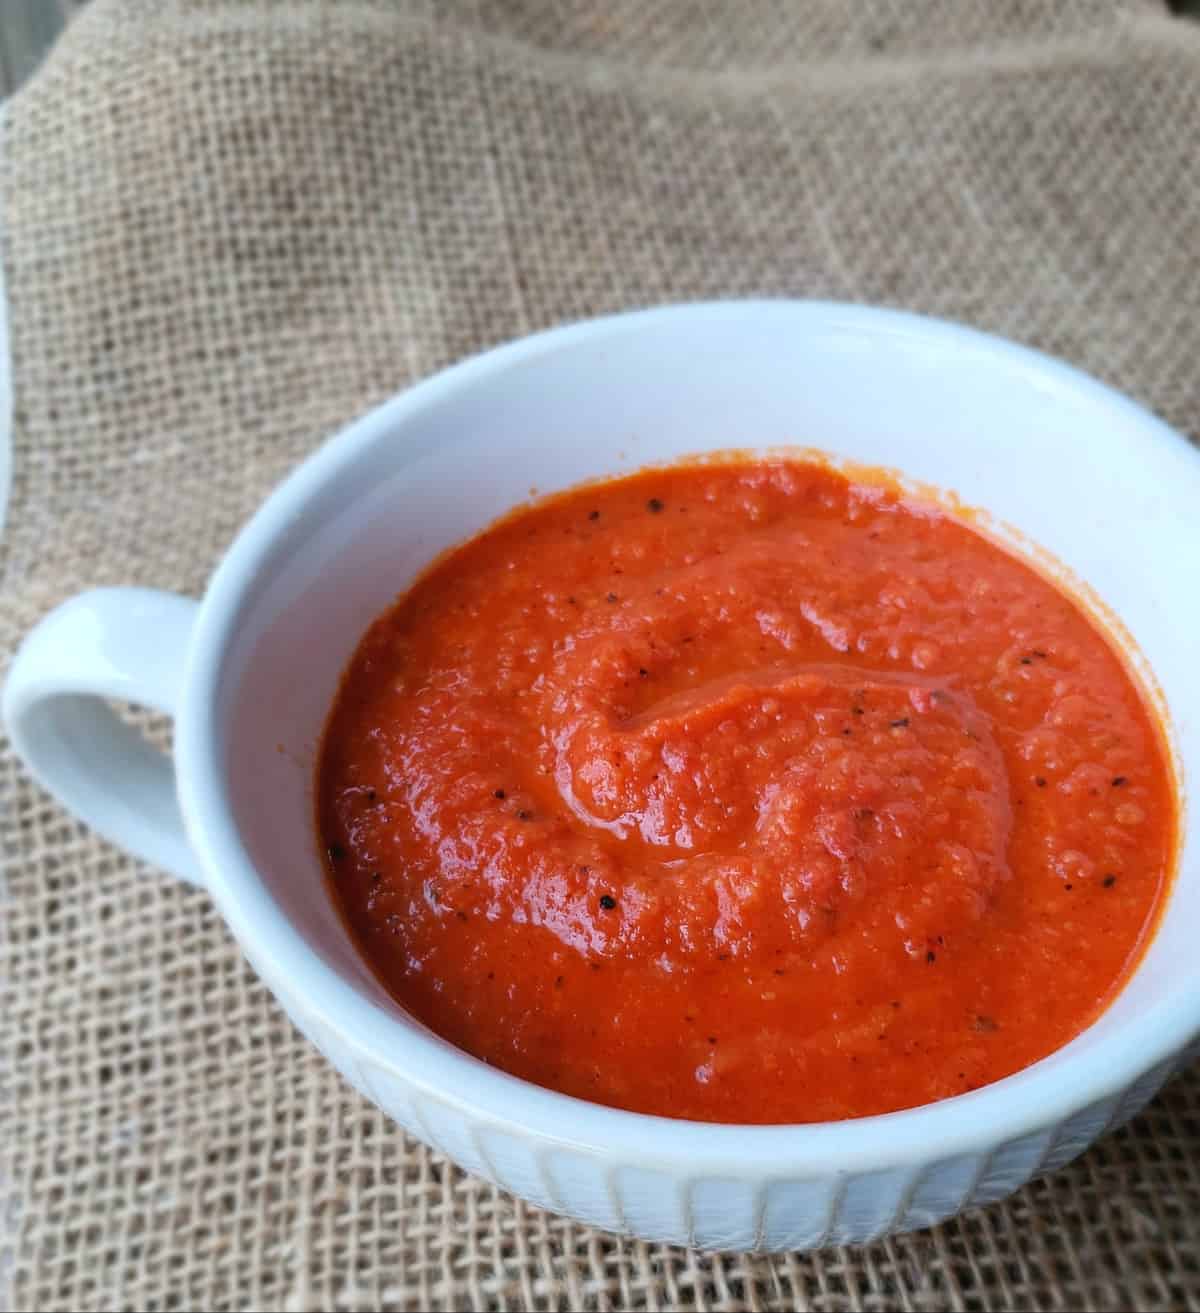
<point>228,228</point>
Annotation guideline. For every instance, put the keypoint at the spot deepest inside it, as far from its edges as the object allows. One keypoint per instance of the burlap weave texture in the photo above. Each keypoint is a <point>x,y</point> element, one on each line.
<point>228,229</point>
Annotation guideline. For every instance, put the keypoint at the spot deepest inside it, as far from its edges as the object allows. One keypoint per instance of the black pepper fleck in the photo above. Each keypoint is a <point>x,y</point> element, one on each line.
<point>612,597</point>
<point>1040,781</point>
<point>336,852</point>
<point>931,956</point>
<point>371,795</point>
<point>1119,781</point>
<point>593,515</point>
<point>643,672</point>
<point>524,815</point>
<point>654,505</point>
<point>1109,881</point>
<point>500,794</point>
<point>608,902</point>
<point>558,982</point>
<point>902,723</point>
<point>712,1039</point>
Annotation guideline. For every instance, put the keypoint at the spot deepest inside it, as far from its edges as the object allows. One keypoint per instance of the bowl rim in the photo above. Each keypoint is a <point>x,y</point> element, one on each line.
<point>1034,1098</point>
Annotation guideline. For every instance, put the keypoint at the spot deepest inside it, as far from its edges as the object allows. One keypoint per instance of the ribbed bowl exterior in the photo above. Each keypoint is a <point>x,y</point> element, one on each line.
<point>761,1212</point>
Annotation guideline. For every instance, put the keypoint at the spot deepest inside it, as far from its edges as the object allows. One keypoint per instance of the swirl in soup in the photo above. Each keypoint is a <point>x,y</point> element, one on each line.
<point>745,792</point>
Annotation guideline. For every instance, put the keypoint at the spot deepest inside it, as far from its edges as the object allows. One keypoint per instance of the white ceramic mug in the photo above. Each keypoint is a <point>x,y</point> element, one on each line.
<point>250,672</point>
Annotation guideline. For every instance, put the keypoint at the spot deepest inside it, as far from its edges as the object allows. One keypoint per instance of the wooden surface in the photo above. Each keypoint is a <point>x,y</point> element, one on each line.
<point>27,30</point>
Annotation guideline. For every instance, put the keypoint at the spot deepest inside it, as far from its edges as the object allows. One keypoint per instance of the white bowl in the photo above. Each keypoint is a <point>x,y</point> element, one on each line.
<point>251,671</point>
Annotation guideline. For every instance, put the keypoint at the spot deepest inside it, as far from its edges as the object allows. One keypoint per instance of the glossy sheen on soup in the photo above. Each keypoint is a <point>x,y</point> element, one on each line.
<point>744,792</point>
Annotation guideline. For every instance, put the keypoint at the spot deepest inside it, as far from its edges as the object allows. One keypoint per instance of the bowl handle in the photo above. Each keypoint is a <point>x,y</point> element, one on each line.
<point>120,643</point>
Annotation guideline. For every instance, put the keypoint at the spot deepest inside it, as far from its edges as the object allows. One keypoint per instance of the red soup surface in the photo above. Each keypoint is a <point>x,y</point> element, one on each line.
<point>746,793</point>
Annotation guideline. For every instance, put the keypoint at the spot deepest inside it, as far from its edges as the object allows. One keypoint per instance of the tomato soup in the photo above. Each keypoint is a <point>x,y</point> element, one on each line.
<point>745,792</point>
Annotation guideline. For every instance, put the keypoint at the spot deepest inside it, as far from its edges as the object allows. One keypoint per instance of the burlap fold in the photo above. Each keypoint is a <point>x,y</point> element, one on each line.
<point>229,228</point>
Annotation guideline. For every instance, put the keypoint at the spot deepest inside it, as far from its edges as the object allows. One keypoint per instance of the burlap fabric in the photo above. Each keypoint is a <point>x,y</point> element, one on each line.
<point>228,228</point>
